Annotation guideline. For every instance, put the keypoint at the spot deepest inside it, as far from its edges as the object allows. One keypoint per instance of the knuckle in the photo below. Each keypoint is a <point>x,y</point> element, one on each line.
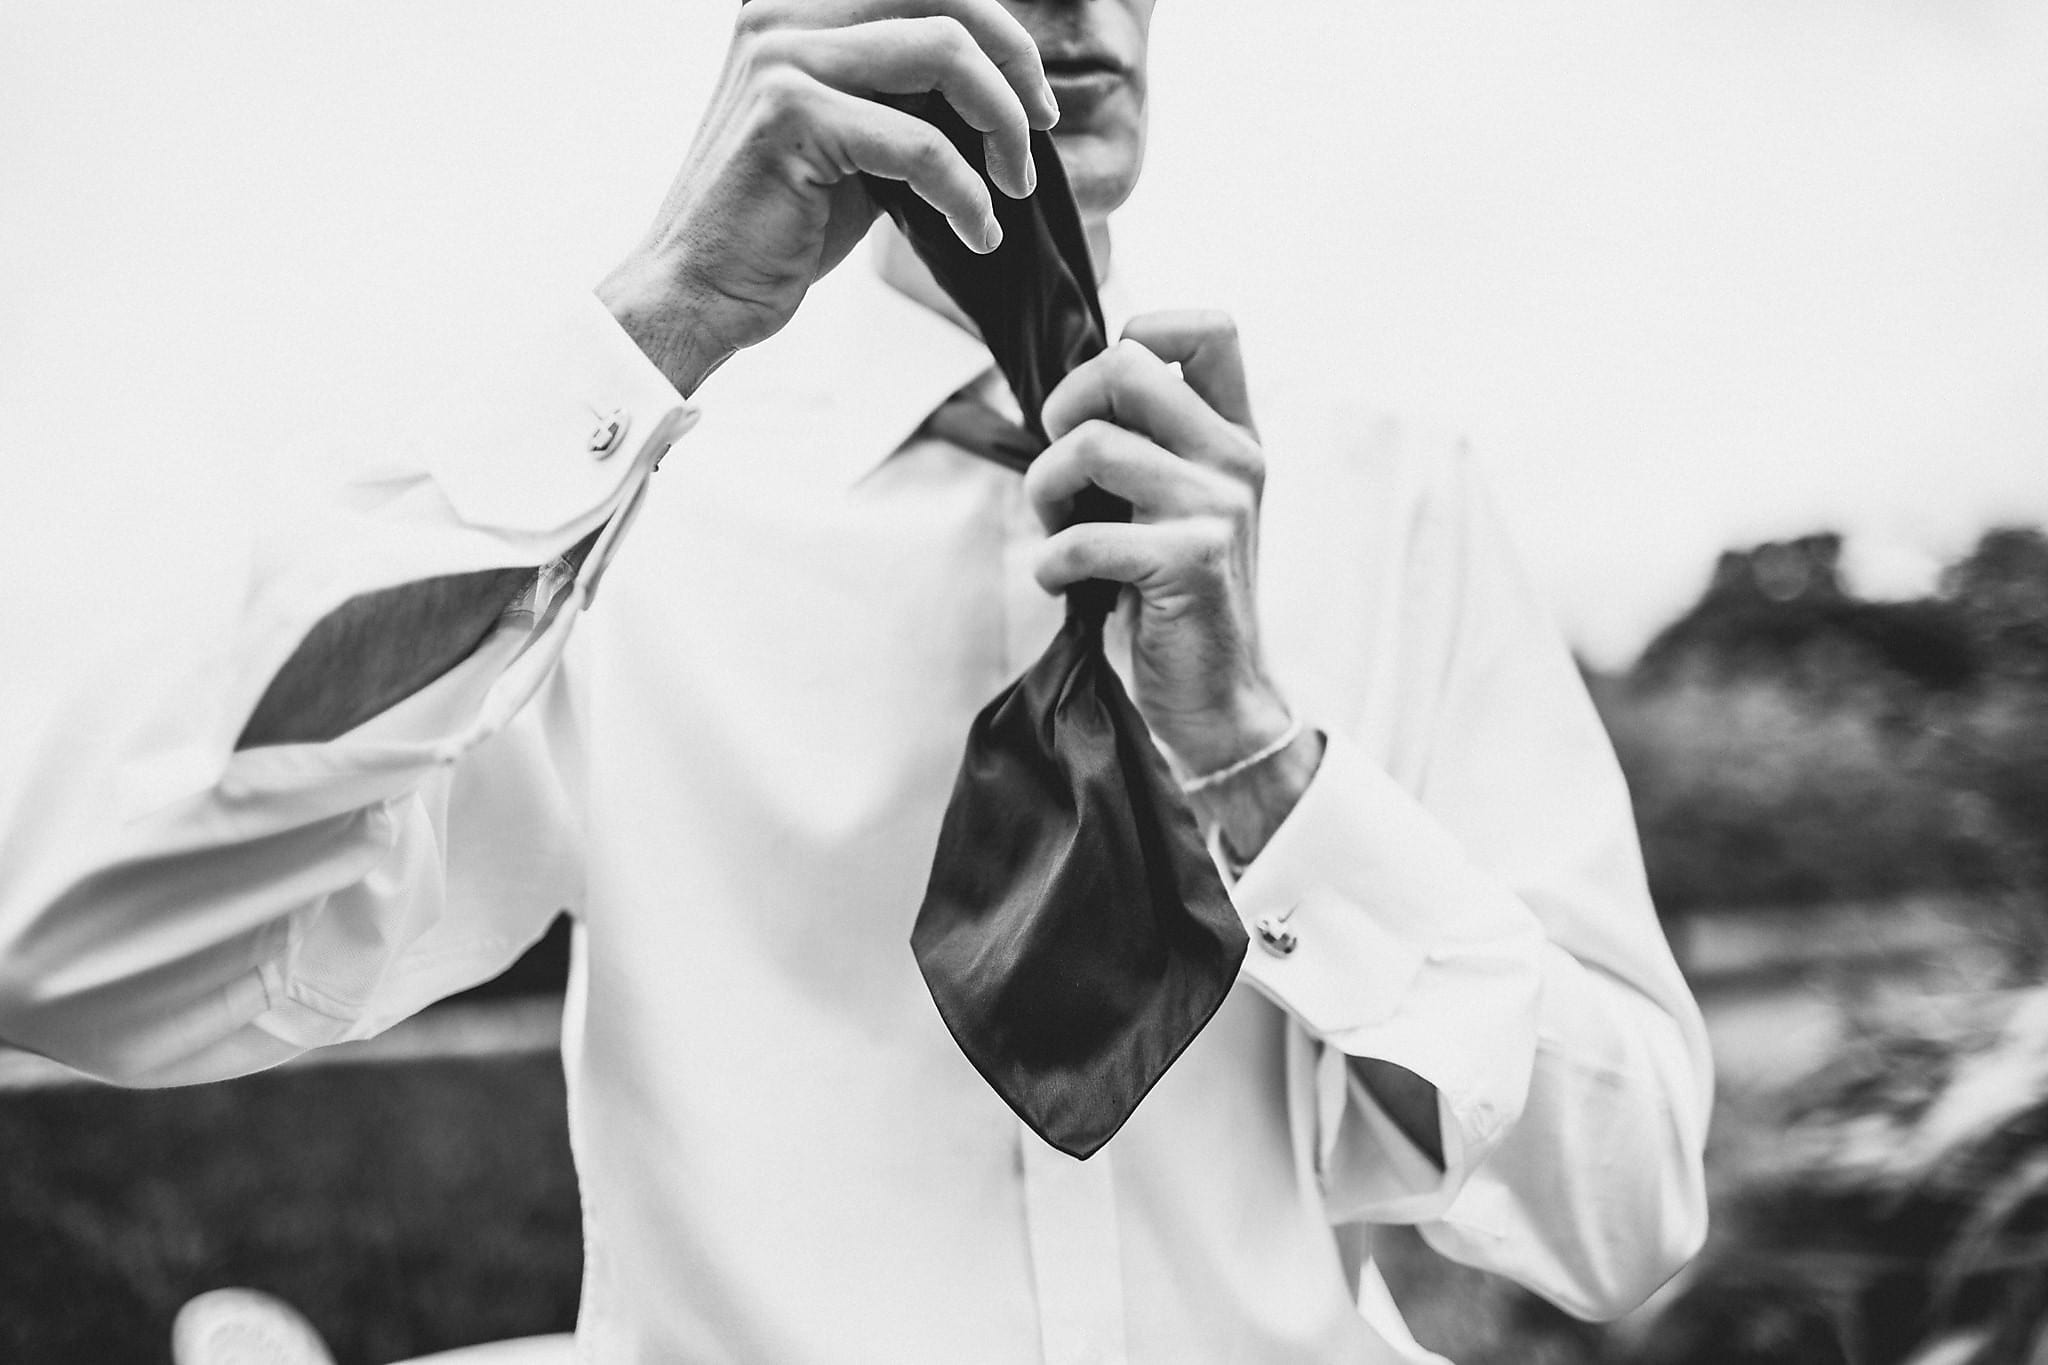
<point>1062,558</point>
<point>1248,462</point>
<point>1014,53</point>
<point>1035,475</point>
<point>773,49</point>
<point>1213,539</point>
<point>1045,570</point>
<point>929,152</point>
<point>942,37</point>
<point>785,98</point>
<point>1240,505</point>
<point>995,20</point>
<point>1094,441</point>
<point>1215,324</point>
<point>1126,360</point>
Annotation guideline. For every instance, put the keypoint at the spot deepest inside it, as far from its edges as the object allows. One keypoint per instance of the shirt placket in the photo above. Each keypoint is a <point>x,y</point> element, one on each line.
<point>1030,617</point>
<point>1076,1262</point>
<point>1069,1205</point>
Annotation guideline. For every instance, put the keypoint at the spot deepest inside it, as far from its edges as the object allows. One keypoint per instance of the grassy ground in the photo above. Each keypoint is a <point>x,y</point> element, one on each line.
<point>1478,1319</point>
<point>410,1206</point>
<point>405,1208</point>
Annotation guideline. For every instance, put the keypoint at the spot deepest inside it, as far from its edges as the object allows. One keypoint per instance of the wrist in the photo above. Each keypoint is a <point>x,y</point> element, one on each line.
<point>1224,732</point>
<point>1247,808</point>
<point>664,320</point>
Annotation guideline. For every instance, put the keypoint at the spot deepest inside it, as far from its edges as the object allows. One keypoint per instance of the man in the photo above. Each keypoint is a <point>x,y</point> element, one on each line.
<point>1458,1011</point>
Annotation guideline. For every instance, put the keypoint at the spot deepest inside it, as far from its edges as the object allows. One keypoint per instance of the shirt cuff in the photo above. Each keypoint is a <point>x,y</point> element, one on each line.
<point>1402,950</point>
<point>559,429</point>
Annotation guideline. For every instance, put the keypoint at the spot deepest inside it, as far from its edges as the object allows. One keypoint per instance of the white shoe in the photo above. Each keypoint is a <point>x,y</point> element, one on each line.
<point>244,1327</point>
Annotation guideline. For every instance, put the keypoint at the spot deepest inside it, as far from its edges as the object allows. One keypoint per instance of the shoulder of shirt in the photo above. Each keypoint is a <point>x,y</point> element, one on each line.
<point>1316,403</point>
<point>1315,416</point>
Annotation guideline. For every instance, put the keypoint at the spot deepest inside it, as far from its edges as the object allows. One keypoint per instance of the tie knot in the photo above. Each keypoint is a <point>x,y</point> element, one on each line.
<point>969,422</point>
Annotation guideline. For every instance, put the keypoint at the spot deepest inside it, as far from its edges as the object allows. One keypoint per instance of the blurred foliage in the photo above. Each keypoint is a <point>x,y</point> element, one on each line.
<point>1475,1318</point>
<point>1899,1217</point>
<point>404,1208</point>
<point>1788,743</point>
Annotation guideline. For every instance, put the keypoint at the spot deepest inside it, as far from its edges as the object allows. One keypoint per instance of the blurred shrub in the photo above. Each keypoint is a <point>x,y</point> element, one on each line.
<point>2000,594</point>
<point>1750,793</point>
<point>1779,612</point>
<point>1790,744</point>
<point>404,1208</point>
<point>1902,1217</point>
<point>1787,743</point>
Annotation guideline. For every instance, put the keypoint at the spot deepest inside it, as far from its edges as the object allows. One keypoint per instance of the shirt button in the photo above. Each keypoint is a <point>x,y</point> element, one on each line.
<point>612,430</point>
<point>1275,937</point>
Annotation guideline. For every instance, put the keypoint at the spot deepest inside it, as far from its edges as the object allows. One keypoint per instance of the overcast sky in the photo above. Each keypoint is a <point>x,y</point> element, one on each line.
<point>1690,274</point>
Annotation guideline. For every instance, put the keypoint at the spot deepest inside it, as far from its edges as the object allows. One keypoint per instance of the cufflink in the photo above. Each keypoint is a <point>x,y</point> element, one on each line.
<point>609,432</point>
<point>1274,935</point>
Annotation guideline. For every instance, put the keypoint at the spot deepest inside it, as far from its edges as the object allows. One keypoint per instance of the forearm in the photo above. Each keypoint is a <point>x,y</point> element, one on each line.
<point>663,319</point>
<point>1247,808</point>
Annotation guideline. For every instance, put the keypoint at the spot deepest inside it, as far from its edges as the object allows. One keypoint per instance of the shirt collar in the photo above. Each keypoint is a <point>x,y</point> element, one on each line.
<point>853,375</point>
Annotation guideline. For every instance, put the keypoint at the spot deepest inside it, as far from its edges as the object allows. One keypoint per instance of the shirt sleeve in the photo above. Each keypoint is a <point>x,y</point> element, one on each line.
<point>172,909</point>
<point>1484,922</point>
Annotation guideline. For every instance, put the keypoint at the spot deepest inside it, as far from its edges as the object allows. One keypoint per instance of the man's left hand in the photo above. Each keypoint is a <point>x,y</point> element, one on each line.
<point>1182,451</point>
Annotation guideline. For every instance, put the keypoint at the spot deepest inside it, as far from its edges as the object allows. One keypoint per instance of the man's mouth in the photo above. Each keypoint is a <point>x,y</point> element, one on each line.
<point>1082,78</point>
<point>1076,62</point>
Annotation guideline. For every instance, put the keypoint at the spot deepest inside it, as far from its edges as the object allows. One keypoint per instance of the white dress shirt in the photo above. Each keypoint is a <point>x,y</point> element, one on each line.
<point>735,777</point>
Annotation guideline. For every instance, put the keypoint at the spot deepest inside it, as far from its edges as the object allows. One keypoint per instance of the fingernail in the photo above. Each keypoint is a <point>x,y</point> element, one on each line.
<point>1030,173</point>
<point>993,238</point>
<point>1052,101</point>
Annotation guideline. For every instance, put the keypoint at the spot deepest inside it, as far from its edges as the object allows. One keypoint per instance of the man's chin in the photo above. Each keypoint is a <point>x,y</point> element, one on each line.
<point>1102,169</point>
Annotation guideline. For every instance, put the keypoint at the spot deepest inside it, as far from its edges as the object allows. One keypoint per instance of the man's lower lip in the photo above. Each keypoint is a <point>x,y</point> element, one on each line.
<point>1085,87</point>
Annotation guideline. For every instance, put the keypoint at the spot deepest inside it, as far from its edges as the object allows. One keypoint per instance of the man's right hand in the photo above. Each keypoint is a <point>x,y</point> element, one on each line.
<point>769,198</point>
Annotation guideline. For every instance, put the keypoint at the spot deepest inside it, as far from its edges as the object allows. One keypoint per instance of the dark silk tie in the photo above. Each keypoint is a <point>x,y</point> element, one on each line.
<point>1074,934</point>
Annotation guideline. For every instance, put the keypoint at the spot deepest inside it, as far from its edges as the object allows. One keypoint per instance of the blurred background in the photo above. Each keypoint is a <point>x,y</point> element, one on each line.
<point>1743,304</point>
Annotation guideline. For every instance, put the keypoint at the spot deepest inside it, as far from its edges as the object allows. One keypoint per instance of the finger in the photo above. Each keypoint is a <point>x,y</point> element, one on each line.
<point>1133,388</point>
<point>911,56</point>
<point>1157,483</point>
<point>1204,344</point>
<point>861,135</point>
<point>1119,551</point>
<point>995,30</point>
